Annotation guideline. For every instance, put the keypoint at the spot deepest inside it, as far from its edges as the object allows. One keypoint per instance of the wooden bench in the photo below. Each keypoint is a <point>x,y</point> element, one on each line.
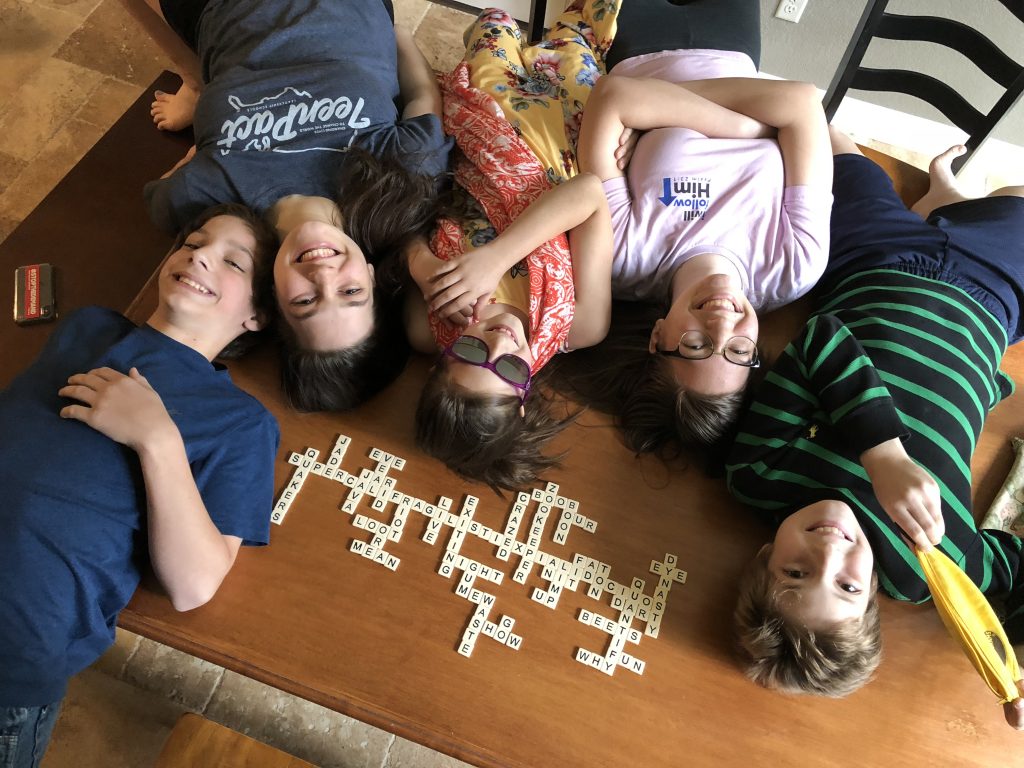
<point>197,742</point>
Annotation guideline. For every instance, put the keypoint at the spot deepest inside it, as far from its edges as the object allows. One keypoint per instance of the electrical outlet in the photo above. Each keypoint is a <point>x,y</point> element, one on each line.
<point>790,10</point>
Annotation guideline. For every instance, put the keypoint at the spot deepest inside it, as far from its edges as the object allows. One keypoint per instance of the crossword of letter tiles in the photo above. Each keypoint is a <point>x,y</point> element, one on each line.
<point>378,490</point>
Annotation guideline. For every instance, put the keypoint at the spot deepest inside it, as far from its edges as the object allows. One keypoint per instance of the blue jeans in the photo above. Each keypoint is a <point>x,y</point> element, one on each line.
<point>25,733</point>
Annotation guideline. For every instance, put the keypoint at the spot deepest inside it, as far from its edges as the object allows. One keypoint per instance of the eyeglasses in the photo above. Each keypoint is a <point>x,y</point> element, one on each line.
<point>512,369</point>
<point>694,345</point>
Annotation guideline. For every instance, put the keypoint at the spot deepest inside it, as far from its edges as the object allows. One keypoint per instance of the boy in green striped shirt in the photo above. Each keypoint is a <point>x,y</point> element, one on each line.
<point>858,442</point>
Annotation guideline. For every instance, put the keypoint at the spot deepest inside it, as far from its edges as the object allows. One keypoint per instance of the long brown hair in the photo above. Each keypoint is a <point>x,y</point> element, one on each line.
<point>654,413</point>
<point>385,206</point>
<point>341,379</point>
<point>484,437</point>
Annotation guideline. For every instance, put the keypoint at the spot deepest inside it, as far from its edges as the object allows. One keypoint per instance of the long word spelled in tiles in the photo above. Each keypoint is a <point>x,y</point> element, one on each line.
<point>522,535</point>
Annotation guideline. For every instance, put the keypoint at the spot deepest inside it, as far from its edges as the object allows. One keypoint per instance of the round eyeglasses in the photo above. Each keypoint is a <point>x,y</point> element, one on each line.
<point>695,345</point>
<point>512,369</point>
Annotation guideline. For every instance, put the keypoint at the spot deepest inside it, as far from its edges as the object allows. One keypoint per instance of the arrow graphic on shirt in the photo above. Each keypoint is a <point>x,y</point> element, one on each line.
<point>667,197</point>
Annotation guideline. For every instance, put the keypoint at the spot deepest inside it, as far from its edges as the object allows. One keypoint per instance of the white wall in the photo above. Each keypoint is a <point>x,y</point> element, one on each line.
<point>811,51</point>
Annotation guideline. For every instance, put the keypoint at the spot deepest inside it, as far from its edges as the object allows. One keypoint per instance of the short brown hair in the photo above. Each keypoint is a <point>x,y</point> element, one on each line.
<point>263,271</point>
<point>786,656</point>
<point>484,437</point>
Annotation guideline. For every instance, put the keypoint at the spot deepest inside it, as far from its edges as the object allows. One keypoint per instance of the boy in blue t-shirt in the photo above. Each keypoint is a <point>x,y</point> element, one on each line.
<point>119,440</point>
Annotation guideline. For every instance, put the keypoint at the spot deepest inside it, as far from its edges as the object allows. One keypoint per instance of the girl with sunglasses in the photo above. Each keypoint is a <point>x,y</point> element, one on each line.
<point>514,111</point>
<point>474,412</point>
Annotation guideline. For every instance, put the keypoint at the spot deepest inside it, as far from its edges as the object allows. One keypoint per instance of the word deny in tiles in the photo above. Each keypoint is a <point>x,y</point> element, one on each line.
<point>521,535</point>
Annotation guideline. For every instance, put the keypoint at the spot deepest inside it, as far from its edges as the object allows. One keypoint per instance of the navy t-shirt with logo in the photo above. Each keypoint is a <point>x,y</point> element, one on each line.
<point>288,87</point>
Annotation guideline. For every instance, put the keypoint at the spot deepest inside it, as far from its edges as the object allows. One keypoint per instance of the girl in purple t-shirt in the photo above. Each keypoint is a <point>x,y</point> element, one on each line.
<point>723,215</point>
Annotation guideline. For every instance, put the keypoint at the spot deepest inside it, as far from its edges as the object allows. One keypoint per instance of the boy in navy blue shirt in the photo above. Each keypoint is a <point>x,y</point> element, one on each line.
<point>121,439</point>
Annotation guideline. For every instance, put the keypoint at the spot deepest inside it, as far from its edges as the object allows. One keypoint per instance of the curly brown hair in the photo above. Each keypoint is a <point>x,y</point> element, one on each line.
<point>786,656</point>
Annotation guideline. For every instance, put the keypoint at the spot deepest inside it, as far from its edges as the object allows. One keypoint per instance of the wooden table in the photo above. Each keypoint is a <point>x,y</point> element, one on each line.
<point>310,617</point>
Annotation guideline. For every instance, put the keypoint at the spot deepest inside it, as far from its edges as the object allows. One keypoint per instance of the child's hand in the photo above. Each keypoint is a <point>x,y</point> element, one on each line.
<point>1013,711</point>
<point>124,408</point>
<point>464,283</point>
<point>907,493</point>
<point>461,318</point>
<point>626,147</point>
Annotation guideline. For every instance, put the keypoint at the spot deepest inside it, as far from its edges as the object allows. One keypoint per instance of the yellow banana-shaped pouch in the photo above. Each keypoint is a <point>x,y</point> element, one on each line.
<point>972,623</point>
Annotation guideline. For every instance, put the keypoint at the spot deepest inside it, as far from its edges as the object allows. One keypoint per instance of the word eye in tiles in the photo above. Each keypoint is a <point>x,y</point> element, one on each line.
<point>522,535</point>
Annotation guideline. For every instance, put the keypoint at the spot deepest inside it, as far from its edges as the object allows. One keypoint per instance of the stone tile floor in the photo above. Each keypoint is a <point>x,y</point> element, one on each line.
<point>68,70</point>
<point>119,713</point>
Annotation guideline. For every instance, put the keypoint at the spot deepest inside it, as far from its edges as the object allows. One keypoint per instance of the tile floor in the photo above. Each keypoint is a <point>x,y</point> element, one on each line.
<point>68,70</point>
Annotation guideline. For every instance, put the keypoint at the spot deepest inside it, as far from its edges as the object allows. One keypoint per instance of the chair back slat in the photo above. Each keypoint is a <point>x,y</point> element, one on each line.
<point>1016,7</point>
<point>985,54</point>
<point>951,33</point>
<point>924,87</point>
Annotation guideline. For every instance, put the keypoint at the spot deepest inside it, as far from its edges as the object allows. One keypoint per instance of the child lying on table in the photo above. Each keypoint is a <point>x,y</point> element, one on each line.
<point>514,110</point>
<point>859,441</point>
<point>121,441</point>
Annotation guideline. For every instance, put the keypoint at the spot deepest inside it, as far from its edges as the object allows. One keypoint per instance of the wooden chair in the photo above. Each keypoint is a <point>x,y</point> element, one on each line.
<point>989,58</point>
<point>197,742</point>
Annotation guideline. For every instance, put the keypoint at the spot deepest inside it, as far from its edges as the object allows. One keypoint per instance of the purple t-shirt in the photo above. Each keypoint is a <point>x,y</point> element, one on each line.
<point>685,194</point>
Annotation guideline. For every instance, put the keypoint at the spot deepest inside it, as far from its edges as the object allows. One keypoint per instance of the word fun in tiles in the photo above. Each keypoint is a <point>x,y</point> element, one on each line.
<point>378,490</point>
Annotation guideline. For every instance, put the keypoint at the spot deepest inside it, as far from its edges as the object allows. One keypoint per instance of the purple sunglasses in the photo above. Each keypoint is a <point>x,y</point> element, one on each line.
<point>510,368</point>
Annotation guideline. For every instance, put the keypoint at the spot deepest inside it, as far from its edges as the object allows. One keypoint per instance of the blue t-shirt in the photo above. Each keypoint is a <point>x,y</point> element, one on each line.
<point>73,517</point>
<point>289,85</point>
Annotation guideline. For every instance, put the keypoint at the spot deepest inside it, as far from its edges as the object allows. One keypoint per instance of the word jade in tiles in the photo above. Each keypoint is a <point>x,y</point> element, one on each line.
<point>521,535</point>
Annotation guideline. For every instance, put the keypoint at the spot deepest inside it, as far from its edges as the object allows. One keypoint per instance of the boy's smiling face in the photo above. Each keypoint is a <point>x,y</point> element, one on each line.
<point>206,285</point>
<point>822,563</point>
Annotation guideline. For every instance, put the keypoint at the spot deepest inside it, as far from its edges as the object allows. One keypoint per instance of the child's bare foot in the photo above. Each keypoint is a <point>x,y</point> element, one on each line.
<point>942,188</point>
<point>174,111</point>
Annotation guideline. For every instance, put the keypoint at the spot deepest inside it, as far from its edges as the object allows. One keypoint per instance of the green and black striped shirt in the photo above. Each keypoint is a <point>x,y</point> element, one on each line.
<point>886,354</point>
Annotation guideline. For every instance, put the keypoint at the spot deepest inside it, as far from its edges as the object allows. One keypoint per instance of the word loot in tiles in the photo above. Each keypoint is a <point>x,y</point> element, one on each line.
<point>379,490</point>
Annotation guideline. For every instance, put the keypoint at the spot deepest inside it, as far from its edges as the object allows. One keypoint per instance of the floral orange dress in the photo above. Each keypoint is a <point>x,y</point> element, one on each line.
<point>515,112</point>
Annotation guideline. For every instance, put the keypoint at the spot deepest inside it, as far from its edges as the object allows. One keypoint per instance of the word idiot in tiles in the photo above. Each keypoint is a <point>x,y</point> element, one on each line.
<point>377,488</point>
